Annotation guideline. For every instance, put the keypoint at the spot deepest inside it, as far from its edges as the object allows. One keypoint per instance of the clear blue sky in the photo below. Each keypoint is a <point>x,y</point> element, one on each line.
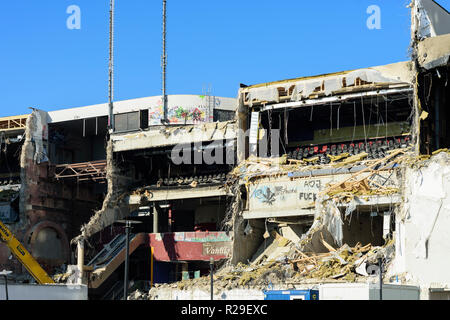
<point>219,43</point>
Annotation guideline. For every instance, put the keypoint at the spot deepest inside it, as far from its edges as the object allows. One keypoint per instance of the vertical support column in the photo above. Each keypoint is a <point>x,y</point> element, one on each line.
<point>380,264</point>
<point>253,138</point>
<point>80,260</point>
<point>184,271</point>
<point>241,115</point>
<point>211,267</point>
<point>155,219</point>
<point>170,218</point>
<point>386,224</point>
<point>6,287</point>
<point>152,251</point>
<point>127,259</point>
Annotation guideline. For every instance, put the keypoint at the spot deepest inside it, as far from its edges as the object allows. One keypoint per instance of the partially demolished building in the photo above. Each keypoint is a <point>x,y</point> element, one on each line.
<point>170,178</point>
<point>59,168</point>
<point>327,127</point>
<point>339,171</point>
<point>295,183</point>
<point>44,155</point>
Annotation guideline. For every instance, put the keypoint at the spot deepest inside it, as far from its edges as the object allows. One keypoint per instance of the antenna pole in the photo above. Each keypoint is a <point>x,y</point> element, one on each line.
<point>111,65</point>
<point>164,63</point>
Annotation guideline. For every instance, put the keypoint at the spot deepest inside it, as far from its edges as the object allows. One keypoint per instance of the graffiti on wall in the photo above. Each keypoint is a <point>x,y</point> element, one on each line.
<point>286,194</point>
<point>301,193</point>
<point>180,114</point>
<point>268,195</point>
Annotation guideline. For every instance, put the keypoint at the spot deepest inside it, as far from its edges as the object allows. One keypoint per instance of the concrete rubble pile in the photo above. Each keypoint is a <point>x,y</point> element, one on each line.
<point>280,261</point>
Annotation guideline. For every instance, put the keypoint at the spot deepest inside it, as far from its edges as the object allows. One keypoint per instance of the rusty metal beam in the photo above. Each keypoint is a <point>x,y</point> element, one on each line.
<point>92,170</point>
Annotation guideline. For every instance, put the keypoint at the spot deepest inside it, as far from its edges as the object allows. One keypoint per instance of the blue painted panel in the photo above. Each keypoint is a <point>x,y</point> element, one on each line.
<point>294,294</point>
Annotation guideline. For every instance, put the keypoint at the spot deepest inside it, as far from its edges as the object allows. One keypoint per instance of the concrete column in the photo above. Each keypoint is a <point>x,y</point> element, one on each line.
<point>184,271</point>
<point>80,260</point>
<point>170,219</point>
<point>241,115</point>
<point>155,219</point>
<point>386,224</point>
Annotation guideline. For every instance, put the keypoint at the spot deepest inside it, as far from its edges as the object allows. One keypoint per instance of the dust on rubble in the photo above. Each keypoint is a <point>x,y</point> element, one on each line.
<point>296,263</point>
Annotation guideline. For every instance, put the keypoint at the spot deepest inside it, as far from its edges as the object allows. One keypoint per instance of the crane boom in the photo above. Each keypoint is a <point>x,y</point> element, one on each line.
<point>22,254</point>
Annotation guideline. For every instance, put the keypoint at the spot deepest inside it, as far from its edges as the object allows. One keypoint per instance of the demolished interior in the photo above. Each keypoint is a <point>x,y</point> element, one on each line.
<point>329,172</point>
<point>170,179</point>
<point>295,183</point>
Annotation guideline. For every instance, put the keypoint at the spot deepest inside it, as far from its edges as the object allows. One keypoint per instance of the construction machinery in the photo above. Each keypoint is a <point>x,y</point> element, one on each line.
<point>22,254</point>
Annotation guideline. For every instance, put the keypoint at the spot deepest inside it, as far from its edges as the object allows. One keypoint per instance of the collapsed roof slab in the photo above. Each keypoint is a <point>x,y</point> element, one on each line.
<point>434,52</point>
<point>295,90</point>
<point>169,136</point>
<point>338,98</point>
<point>176,194</point>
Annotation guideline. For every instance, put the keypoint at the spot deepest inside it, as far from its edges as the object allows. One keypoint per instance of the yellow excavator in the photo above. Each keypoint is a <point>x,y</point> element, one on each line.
<point>22,254</point>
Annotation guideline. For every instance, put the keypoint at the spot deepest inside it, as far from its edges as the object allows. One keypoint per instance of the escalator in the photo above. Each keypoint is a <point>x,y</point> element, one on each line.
<point>111,257</point>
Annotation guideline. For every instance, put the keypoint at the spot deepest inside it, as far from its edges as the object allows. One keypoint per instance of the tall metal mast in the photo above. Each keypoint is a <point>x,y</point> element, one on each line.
<point>111,65</point>
<point>164,63</point>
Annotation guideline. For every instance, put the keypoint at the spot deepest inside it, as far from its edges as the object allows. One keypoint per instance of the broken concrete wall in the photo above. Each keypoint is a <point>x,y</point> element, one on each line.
<point>4,251</point>
<point>422,237</point>
<point>114,205</point>
<point>429,19</point>
<point>247,237</point>
<point>32,221</point>
<point>247,234</point>
<point>434,52</point>
<point>49,211</point>
<point>33,152</point>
